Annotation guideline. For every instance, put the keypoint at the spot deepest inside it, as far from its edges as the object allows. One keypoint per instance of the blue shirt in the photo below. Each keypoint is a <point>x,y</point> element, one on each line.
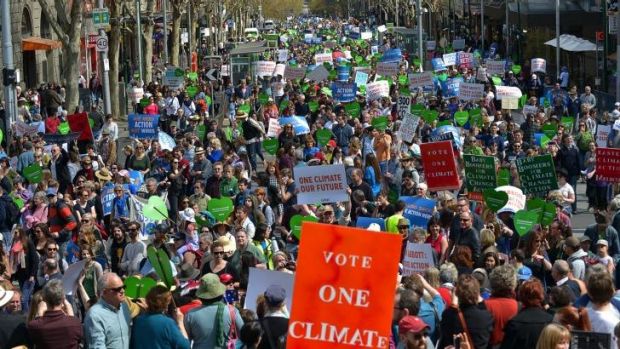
<point>427,313</point>
<point>157,331</point>
<point>106,327</point>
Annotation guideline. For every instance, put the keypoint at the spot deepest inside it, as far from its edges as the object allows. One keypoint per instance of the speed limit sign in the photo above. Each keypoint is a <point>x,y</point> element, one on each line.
<point>102,44</point>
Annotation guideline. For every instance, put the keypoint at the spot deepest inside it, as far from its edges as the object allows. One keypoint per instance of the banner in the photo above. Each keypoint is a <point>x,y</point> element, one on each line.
<point>537,174</point>
<point>607,164</point>
<point>418,210</point>
<point>418,258</point>
<point>318,74</point>
<point>343,92</point>
<point>321,58</point>
<point>361,78</point>
<point>438,64</point>
<point>260,279</point>
<point>331,308</point>
<point>469,91</point>
<point>292,73</point>
<point>79,123</point>
<point>22,128</point>
<point>439,166</point>
<point>420,79</point>
<point>539,65</point>
<point>392,55</point>
<point>602,134</point>
<point>408,127</point>
<point>496,67</point>
<point>387,68</point>
<point>378,89</point>
<point>61,139</point>
<point>507,92</point>
<point>480,172</point>
<point>300,124</point>
<point>136,214</point>
<point>321,184</point>
<point>265,68</point>
<point>282,55</point>
<point>143,126</point>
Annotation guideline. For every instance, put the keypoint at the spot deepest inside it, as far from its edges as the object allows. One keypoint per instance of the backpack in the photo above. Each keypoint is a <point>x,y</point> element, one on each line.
<point>12,211</point>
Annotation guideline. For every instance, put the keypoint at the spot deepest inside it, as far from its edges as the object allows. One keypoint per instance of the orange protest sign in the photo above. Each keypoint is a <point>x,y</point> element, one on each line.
<point>344,287</point>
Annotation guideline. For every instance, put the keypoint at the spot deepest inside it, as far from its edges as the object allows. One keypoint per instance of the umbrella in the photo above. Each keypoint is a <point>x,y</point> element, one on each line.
<point>573,44</point>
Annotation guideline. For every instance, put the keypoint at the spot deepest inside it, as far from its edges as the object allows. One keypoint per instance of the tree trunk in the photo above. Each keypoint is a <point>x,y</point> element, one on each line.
<point>147,36</point>
<point>71,58</point>
<point>175,34</point>
<point>113,54</point>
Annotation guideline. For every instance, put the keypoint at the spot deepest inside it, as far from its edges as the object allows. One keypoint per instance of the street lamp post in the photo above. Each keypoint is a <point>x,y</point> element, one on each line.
<point>105,67</point>
<point>165,9</point>
<point>139,38</point>
<point>482,26</point>
<point>420,46</point>
<point>557,39</point>
<point>10,103</point>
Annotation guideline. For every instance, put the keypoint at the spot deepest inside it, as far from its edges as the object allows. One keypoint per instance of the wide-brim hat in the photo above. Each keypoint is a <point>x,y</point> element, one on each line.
<point>188,215</point>
<point>194,117</point>
<point>199,150</point>
<point>5,296</point>
<point>210,287</point>
<point>187,272</point>
<point>104,174</point>
<point>241,115</point>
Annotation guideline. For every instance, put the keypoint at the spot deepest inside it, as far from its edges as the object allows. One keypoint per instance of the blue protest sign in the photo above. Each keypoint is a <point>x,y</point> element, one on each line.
<point>437,135</point>
<point>438,64</point>
<point>143,126</point>
<point>343,92</point>
<point>418,210</point>
<point>107,195</point>
<point>300,124</point>
<point>361,78</point>
<point>343,72</point>
<point>392,55</point>
<point>136,177</point>
<point>365,222</point>
<point>450,87</point>
<point>165,141</point>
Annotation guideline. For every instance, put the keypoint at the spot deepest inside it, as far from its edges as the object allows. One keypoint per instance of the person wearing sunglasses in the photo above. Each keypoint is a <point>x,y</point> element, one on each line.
<point>135,250</point>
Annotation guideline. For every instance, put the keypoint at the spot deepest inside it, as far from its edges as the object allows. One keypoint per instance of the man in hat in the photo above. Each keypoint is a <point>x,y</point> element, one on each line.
<point>13,332</point>
<point>576,256</point>
<point>276,317</point>
<point>204,326</point>
<point>202,167</point>
<point>326,215</point>
<point>107,148</point>
<point>413,333</point>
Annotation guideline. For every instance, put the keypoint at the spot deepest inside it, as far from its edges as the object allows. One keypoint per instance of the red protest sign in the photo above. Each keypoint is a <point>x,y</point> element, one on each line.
<point>344,277</point>
<point>79,123</point>
<point>608,164</point>
<point>439,166</point>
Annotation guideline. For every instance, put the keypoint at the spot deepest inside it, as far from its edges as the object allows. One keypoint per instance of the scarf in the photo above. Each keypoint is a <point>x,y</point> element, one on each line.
<point>220,340</point>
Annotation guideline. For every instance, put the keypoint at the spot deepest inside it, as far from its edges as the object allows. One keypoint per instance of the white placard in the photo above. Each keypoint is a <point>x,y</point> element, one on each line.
<point>431,45</point>
<point>292,73</point>
<point>377,90</point>
<point>361,78</point>
<point>403,106</point>
<point>469,91</point>
<point>530,109</point>
<point>539,65</point>
<point>321,184</point>
<point>321,58</point>
<point>507,92</point>
<point>481,74</point>
<point>366,35</point>
<point>265,68</point>
<point>260,279</point>
<point>279,70</point>
<point>602,134</point>
<point>496,67</point>
<point>225,70</point>
<point>71,275</point>
<point>387,68</point>
<point>510,103</point>
<point>418,258</point>
<point>449,59</point>
<point>408,127</point>
<point>420,79</point>
<point>282,55</point>
<point>382,28</point>
<point>274,128</point>
<point>171,79</point>
<point>135,94</point>
<point>318,74</point>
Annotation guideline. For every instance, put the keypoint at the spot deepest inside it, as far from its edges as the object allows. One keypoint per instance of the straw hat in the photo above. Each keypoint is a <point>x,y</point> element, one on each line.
<point>104,174</point>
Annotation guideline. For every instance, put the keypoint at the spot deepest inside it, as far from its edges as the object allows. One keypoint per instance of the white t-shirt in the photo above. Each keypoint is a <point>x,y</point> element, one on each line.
<point>604,320</point>
<point>567,190</point>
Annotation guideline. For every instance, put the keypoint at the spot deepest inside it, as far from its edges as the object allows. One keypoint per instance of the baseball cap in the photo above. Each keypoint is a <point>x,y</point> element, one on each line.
<point>275,294</point>
<point>411,323</point>
<point>602,242</point>
<point>524,273</point>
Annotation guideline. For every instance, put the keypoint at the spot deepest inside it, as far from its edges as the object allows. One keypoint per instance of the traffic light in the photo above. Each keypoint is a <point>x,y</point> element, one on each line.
<point>8,76</point>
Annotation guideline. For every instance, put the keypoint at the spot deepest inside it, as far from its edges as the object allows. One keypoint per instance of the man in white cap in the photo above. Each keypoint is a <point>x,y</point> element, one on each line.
<point>12,326</point>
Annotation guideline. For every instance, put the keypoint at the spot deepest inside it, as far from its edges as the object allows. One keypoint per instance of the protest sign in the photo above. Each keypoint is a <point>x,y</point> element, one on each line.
<point>282,55</point>
<point>438,64</point>
<point>530,109</point>
<point>292,73</point>
<point>260,279</point>
<point>450,87</point>
<point>403,106</point>
<point>507,92</point>
<point>439,166</point>
<point>107,195</point>
<point>387,68</point>
<point>608,164</point>
<point>79,123</point>
<point>449,59</point>
<point>418,210</point>
<point>538,65</point>
<point>392,55</point>
<point>71,276</point>
<point>510,103</point>
<point>465,59</point>
<point>136,214</point>
<point>332,308</point>
<point>470,91</point>
<point>496,67</point>
<point>418,258</point>
<point>481,74</point>
<point>321,184</point>
<point>378,89</point>
<point>274,128</point>
<point>366,35</point>
<point>602,134</point>
<point>516,199</point>
<point>343,92</point>
<point>279,70</point>
<point>265,68</point>
<point>361,78</point>
<point>343,72</point>
<point>174,78</point>
<point>365,222</point>
<point>135,94</point>
<point>458,44</point>
<point>420,79</point>
<point>33,173</point>
<point>21,128</point>
<point>143,126</point>
<point>61,139</point>
<point>300,124</point>
<point>480,172</point>
<point>318,74</point>
<point>321,58</point>
<point>431,45</point>
<point>537,174</point>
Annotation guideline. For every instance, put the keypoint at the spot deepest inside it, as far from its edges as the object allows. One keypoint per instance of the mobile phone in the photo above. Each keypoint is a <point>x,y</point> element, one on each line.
<point>457,343</point>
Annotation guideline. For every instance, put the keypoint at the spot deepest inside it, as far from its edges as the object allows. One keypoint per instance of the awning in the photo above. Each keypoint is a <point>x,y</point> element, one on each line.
<point>573,44</point>
<point>39,44</point>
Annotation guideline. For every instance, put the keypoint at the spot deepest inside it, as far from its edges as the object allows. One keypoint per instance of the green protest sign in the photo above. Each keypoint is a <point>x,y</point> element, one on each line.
<point>353,109</point>
<point>326,91</point>
<point>380,122</point>
<point>461,117</point>
<point>430,115</point>
<point>497,81</point>
<point>503,177</point>
<point>479,172</point>
<point>193,76</point>
<point>404,91</point>
<point>332,75</point>
<point>191,91</point>
<point>417,109</point>
<point>323,136</point>
<point>201,131</point>
<point>537,174</point>
<point>17,200</point>
<point>403,80</point>
<point>220,208</point>
<point>160,261</point>
<point>156,209</point>
<point>544,141</point>
<point>271,145</point>
<point>144,102</point>
<point>548,215</point>
<point>63,128</point>
<point>550,130</point>
<point>444,123</point>
<point>33,173</point>
<point>208,100</point>
<point>525,221</point>
<point>495,200</point>
<point>179,73</point>
<point>263,98</point>
<point>2,135</point>
<point>313,105</point>
<point>137,287</point>
<point>536,205</point>
<point>566,121</point>
<point>244,108</point>
<point>516,69</point>
<point>296,222</point>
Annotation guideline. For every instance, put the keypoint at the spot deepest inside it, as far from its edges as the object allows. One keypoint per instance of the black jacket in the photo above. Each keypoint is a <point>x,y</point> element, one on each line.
<point>62,170</point>
<point>569,160</point>
<point>274,328</point>
<point>523,330</point>
<point>479,325</point>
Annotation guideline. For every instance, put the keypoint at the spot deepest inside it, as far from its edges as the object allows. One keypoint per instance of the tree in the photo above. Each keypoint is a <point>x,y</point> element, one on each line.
<point>175,34</point>
<point>114,44</point>
<point>147,38</point>
<point>68,28</point>
<point>281,9</point>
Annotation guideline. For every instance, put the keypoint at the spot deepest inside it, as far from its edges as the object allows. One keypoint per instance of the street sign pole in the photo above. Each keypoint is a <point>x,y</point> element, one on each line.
<point>10,103</point>
<point>104,67</point>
